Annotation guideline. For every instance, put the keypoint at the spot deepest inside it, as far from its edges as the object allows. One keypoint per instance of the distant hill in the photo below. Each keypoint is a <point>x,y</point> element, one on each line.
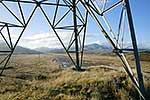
<point>24,50</point>
<point>91,48</point>
<point>49,50</point>
<point>96,48</point>
<point>43,49</point>
<point>145,46</point>
<point>18,50</point>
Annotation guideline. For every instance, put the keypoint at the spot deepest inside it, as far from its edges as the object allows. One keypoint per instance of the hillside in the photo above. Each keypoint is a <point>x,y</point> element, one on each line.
<point>90,48</point>
<point>18,50</point>
<point>49,50</point>
<point>97,48</point>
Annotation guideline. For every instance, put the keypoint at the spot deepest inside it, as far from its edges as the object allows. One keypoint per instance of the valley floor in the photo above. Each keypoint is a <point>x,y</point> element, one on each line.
<point>39,77</point>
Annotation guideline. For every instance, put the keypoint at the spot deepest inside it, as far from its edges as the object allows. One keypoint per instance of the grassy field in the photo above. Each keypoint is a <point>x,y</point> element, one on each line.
<point>37,77</point>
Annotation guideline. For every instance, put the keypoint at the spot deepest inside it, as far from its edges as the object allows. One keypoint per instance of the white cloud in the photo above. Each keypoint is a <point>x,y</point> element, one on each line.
<point>38,39</point>
<point>50,40</point>
<point>45,40</point>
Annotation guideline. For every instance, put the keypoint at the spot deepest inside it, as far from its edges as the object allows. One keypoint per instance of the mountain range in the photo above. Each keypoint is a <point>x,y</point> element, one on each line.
<point>18,50</point>
<point>90,48</point>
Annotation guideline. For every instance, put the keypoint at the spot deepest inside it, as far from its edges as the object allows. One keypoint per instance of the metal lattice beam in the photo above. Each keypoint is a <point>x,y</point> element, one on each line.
<point>78,26</point>
<point>113,39</point>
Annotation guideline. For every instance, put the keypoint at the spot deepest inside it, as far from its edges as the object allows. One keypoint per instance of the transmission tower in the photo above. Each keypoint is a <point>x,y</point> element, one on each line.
<point>71,16</point>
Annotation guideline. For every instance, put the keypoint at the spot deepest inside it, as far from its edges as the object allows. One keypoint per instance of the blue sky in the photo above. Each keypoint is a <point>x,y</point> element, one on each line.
<point>39,33</point>
<point>141,16</point>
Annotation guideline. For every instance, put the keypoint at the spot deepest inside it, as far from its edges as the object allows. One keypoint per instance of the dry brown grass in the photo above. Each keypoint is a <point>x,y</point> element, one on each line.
<point>31,78</point>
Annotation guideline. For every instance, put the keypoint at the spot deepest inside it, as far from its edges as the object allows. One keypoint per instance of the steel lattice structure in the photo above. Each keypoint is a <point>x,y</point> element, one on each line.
<point>73,18</point>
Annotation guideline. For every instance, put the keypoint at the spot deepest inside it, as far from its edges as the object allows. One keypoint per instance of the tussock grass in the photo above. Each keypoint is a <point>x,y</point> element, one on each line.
<point>32,78</point>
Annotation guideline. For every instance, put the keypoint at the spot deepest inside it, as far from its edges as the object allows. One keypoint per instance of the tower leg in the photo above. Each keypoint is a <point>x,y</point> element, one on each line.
<point>134,43</point>
<point>78,67</point>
